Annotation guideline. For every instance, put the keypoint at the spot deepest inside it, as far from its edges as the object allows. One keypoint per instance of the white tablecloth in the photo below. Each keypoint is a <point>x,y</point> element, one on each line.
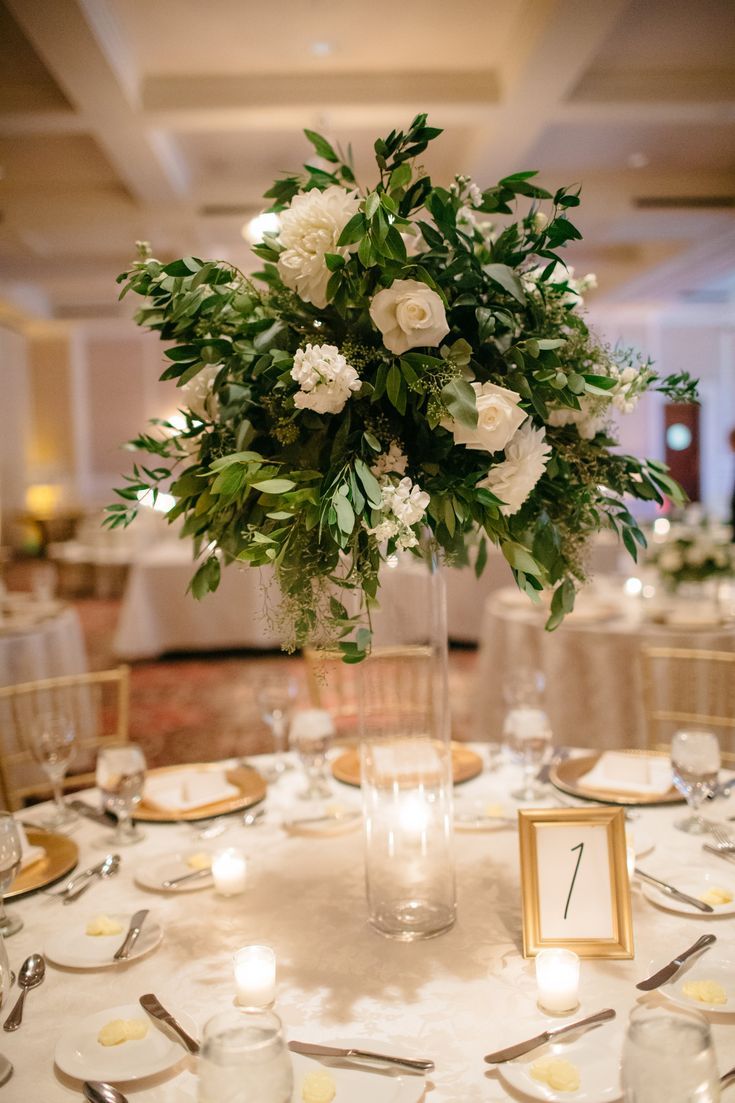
<point>454,998</point>
<point>594,694</point>
<point>54,646</point>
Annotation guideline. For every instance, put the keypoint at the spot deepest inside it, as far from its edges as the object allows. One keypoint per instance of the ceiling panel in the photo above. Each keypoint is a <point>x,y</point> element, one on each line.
<point>53,161</point>
<point>25,84</point>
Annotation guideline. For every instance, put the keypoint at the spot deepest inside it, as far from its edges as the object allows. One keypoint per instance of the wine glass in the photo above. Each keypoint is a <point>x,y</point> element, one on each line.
<point>527,734</point>
<point>668,1055</point>
<point>312,731</point>
<point>244,1059</point>
<point>11,852</point>
<point>276,697</point>
<point>53,740</point>
<point>120,779</point>
<point>695,762</point>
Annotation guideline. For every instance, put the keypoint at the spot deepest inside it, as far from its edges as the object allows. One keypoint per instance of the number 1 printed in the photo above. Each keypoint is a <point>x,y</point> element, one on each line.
<point>580,848</point>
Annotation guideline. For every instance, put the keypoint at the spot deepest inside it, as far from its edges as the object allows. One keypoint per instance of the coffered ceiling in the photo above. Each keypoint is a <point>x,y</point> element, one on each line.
<point>166,119</point>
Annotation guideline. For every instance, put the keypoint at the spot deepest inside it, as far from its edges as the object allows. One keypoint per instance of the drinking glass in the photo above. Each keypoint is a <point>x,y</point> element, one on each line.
<point>244,1059</point>
<point>6,982</point>
<point>120,778</point>
<point>276,697</point>
<point>10,855</point>
<point>53,739</point>
<point>312,732</point>
<point>668,1057</point>
<point>527,734</point>
<point>695,762</point>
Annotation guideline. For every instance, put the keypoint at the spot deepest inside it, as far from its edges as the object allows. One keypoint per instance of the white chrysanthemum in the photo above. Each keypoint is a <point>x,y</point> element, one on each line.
<point>392,462</point>
<point>325,378</point>
<point>310,227</point>
<point>199,394</point>
<point>525,461</point>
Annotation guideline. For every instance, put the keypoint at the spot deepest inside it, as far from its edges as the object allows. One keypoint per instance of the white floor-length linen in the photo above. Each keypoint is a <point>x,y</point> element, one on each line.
<point>50,648</point>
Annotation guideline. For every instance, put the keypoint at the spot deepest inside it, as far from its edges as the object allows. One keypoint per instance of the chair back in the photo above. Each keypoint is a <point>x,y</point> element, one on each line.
<point>683,687</point>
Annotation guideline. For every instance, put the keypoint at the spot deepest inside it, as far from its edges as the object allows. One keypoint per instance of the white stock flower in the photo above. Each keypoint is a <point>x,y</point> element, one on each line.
<point>199,395</point>
<point>525,461</point>
<point>407,501</point>
<point>310,227</point>
<point>394,461</point>
<point>409,315</point>
<point>588,419</point>
<point>325,378</point>
<point>498,417</point>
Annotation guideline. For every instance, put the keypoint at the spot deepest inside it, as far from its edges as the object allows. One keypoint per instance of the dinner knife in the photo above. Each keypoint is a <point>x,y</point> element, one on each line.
<point>675,893</point>
<point>311,1050</point>
<point>155,1008</point>
<point>136,926</point>
<point>511,1052</point>
<point>667,972</point>
<point>105,818</point>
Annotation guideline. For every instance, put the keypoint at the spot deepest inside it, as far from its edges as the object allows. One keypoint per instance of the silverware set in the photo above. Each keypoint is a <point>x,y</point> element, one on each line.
<point>211,829</point>
<point>77,885</point>
<point>667,971</point>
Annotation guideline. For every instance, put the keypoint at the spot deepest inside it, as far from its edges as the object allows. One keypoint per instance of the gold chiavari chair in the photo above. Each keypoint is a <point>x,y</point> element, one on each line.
<point>683,687</point>
<point>98,704</point>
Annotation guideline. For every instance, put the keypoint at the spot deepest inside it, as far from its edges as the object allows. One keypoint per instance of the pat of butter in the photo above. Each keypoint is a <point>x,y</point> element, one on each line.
<point>705,991</point>
<point>715,896</point>
<point>103,925</point>
<point>559,1074</point>
<point>200,860</point>
<point>118,1031</point>
<point>318,1087</point>
<point>494,811</point>
<point>334,809</point>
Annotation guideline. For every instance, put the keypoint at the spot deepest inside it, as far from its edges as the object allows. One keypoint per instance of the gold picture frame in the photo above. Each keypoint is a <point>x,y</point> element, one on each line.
<point>552,874</point>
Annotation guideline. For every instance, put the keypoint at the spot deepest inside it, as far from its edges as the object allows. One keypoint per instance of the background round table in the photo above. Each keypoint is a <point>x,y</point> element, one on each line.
<point>45,649</point>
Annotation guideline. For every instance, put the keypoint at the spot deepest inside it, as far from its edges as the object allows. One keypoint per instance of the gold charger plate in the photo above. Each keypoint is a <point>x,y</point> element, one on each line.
<point>62,855</point>
<point>250,783</point>
<point>466,764</point>
<point>565,776</point>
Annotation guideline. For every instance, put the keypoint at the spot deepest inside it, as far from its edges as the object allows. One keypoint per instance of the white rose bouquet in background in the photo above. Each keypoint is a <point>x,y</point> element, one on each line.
<point>693,554</point>
<point>411,355</point>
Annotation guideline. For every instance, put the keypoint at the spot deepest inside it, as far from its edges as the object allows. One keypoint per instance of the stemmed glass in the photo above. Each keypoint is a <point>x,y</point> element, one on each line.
<point>526,730</point>
<point>53,739</point>
<point>276,697</point>
<point>10,855</point>
<point>669,1055</point>
<point>312,731</point>
<point>120,778</point>
<point>244,1059</point>
<point>695,762</point>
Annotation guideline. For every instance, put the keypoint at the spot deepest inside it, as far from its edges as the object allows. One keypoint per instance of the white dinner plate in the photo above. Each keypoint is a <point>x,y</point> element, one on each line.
<point>80,1055</point>
<point>166,867</point>
<point>331,819</point>
<point>642,841</point>
<point>72,947</point>
<point>360,1082</point>
<point>693,883</point>
<point>706,967</point>
<point>597,1056</point>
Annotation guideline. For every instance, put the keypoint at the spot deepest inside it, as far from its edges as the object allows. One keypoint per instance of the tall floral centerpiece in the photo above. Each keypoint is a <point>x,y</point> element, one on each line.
<point>411,357</point>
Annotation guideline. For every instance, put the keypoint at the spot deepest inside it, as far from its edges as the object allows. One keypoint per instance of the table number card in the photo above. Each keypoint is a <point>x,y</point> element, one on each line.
<point>574,881</point>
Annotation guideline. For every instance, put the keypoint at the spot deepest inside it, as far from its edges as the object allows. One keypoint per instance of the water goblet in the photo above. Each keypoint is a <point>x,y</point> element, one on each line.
<point>10,855</point>
<point>244,1059</point>
<point>120,779</point>
<point>52,744</point>
<point>668,1055</point>
<point>312,731</point>
<point>695,763</point>
<point>276,697</point>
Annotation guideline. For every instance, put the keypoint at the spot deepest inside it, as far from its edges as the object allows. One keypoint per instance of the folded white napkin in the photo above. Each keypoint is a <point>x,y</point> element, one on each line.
<point>187,789</point>
<point>29,854</point>
<point>629,773</point>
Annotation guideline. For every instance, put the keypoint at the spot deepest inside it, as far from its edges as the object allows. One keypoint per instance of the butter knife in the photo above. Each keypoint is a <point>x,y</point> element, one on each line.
<point>136,926</point>
<point>155,1008</point>
<point>510,1052</point>
<point>662,886</point>
<point>667,972</point>
<point>311,1050</point>
<point>170,884</point>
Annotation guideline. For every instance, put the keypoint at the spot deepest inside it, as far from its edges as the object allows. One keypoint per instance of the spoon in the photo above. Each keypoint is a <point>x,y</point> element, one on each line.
<point>98,1092</point>
<point>31,974</point>
<point>109,867</point>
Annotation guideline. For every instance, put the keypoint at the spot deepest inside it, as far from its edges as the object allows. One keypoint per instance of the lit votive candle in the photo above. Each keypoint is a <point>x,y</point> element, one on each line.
<point>229,870</point>
<point>557,980</point>
<point>255,976</point>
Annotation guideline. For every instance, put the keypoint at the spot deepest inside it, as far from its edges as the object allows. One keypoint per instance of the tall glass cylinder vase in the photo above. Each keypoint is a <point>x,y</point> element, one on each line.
<point>406,755</point>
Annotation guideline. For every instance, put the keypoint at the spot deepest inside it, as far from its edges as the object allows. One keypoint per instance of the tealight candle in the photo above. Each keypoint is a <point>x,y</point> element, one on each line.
<point>229,869</point>
<point>557,980</point>
<point>255,976</point>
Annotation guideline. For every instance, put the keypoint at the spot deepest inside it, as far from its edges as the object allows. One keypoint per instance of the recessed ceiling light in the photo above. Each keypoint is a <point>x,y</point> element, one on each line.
<point>267,222</point>
<point>638,161</point>
<point>321,49</point>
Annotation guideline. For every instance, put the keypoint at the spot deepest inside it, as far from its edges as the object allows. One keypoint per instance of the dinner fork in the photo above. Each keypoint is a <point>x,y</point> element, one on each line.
<point>722,840</point>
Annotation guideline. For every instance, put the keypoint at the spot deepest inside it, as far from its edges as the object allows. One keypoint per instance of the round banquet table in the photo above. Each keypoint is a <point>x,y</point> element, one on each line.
<point>594,692</point>
<point>452,999</point>
<point>45,649</point>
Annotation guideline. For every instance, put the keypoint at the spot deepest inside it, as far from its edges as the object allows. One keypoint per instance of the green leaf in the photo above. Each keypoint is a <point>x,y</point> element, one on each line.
<point>334,261</point>
<point>371,441</point>
<point>459,399</point>
<point>235,457</point>
<point>395,388</point>
<point>345,513</point>
<point>370,484</point>
<point>206,578</point>
<point>507,279</point>
<point>354,231</point>
<point>521,559</point>
<point>322,146</point>
<point>371,204</point>
<point>274,486</point>
<point>400,177</point>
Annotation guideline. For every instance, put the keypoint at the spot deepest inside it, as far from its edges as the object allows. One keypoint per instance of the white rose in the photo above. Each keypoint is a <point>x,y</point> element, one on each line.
<point>409,315</point>
<point>310,227</point>
<point>199,395</point>
<point>325,378</point>
<point>498,417</point>
<point>525,461</point>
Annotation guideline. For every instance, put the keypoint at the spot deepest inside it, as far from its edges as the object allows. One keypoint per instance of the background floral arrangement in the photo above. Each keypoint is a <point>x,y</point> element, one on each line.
<point>405,363</point>
<point>693,554</point>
